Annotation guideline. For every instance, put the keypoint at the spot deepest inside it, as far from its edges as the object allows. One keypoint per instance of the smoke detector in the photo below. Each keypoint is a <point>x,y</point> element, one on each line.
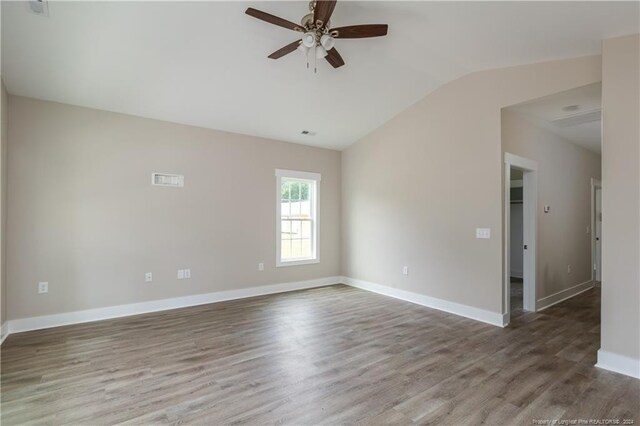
<point>39,7</point>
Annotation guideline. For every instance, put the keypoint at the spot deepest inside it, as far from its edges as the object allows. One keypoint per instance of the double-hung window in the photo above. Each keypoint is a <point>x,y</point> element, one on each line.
<point>297,225</point>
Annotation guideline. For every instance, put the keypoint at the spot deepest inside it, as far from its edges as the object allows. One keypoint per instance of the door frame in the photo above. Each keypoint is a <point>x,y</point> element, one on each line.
<point>595,184</point>
<point>529,231</point>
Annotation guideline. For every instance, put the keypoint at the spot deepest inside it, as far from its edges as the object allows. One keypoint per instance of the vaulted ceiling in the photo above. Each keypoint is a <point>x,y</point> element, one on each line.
<point>205,63</point>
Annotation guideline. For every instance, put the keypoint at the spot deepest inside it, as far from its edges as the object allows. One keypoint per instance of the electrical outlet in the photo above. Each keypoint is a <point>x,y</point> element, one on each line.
<point>180,274</point>
<point>568,269</point>
<point>43,287</point>
<point>260,266</point>
<point>483,233</point>
<point>187,274</point>
<point>405,270</point>
<point>148,277</point>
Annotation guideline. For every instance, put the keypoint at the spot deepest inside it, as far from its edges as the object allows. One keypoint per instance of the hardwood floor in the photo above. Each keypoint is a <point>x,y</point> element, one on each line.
<point>327,355</point>
<point>517,295</point>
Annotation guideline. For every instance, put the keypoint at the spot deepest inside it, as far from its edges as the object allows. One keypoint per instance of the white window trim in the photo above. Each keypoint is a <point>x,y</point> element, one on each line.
<point>315,178</point>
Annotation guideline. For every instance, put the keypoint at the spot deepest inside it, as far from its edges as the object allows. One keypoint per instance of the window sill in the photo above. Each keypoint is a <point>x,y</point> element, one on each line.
<point>300,262</point>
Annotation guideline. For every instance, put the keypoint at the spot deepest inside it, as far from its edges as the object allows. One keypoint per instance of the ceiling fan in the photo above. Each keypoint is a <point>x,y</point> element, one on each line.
<point>318,38</point>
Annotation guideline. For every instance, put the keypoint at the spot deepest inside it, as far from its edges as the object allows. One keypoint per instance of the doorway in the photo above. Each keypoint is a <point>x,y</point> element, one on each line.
<point>596,235</point>
<point>520,234</point>
<point>516,249</point>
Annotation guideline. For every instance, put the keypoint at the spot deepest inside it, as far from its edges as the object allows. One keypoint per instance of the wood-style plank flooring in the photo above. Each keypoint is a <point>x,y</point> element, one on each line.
<point>332,355</point>
<point>517,295</point>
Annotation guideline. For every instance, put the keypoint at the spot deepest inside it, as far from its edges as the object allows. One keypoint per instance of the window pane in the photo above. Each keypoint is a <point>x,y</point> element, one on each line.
<point>306,248</point>
<point>286,229</point>
<point>285,249</point>
<point>305,209</point>
<point>296,249</point>
<point>296,229</point>
<point>284,190</point>
<point>306,229</point>
<point>295,209</point>
<point>295,190</point>
<point>304,190</point>
<point>285,209</point>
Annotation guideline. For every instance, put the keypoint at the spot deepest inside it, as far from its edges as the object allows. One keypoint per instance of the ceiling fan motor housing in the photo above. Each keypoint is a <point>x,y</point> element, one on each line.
<point>307,20</point>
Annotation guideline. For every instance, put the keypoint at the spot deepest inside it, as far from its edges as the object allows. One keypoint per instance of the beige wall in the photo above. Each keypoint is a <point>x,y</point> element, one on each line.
<point>621,197</point>
<point>413,193</point>
<point>416,188</point>
<point>564,183</point>
<point>4,112</point>
<point>84,217</point>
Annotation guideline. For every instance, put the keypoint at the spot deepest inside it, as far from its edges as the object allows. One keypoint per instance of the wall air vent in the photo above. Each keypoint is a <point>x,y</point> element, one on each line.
<point>39,7</point>
<point>163,179</point>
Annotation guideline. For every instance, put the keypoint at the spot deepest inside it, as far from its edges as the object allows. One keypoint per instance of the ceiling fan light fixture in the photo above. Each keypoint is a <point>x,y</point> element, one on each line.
<point>309,39</point>
<point>321,52</point>
<point>304,49</point>
<point>327,41</point>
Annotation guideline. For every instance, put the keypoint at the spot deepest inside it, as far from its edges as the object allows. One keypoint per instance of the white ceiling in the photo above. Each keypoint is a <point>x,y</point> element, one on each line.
<point>205,63</point>
<point>588,99</point>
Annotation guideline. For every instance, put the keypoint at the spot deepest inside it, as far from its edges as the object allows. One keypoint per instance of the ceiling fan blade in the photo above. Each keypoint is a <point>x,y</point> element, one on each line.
<point>264,16</point>
<point>323,10</point>
<point>285,50</point>
<point>360,31</point>
<point>334,58</point>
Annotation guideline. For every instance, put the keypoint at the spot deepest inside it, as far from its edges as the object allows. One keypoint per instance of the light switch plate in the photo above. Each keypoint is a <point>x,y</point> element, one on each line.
<point>260,266</point>
<point>187,273</point>
<point>43,287</point>
<point>180,274</point>
<point>148,277</point>
<point>483,233</point>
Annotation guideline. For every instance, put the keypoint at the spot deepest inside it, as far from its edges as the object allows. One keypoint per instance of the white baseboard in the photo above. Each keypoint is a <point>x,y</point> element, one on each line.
<point>493,318</point>
<point>618,363</point>
<point>89,315</point>
<point>506,318</point>
<point>563,295</point>
<point>4,331</point>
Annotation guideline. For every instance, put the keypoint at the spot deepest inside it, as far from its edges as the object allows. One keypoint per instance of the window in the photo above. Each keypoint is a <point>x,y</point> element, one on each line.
<point>297,225</point>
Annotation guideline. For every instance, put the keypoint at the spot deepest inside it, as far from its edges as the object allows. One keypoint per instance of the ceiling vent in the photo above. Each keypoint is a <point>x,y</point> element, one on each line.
<point>163,179</point>
<point>571,108</point>
<point>580,118</point>
<point>39,7</point>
